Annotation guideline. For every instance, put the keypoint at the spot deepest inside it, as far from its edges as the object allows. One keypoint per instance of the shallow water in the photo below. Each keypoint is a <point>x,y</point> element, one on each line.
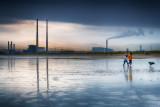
<point>32,81</point>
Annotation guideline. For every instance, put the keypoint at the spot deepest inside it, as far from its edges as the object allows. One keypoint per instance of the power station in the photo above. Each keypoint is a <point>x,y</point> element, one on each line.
<point>37,38</point>
<point>102,49</point>
<point>35,48</point>
<point>11,48</point>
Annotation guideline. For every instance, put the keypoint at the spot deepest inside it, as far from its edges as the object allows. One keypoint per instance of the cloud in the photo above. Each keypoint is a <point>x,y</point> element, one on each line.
<point>129,33</point>
<point>4,29</point>
<point>151,32</point>
<point>88,12</point>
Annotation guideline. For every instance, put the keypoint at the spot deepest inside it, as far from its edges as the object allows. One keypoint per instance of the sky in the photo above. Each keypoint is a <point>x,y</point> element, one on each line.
<point>81,24</point>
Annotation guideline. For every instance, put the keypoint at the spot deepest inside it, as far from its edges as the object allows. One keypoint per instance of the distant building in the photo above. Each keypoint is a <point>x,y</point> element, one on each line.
<point>41,49</point>
<point>127,50</point>
<point>140,48</point>
<point>32,49</point>
<point>11,48</point>
<point>101,49</point>
<point>25,51</point>
<point>109,50</point>
<point>67,51</point>
<point>98,49</point>
<point>3,51</point>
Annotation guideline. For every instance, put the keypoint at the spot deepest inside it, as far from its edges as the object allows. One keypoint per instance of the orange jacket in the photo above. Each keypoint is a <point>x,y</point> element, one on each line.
<point>129,57</point>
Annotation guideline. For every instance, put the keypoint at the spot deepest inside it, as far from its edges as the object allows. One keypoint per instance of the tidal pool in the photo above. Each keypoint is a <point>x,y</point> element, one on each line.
<point>60,81</point>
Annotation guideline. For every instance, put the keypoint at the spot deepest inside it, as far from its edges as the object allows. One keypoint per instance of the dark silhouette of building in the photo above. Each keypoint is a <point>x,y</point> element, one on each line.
<point>101,49</point>
<point>11,48</point>
<point>41,49</point>
<point>98,49</point>
<point>109,50</point>
<point>32,49</point>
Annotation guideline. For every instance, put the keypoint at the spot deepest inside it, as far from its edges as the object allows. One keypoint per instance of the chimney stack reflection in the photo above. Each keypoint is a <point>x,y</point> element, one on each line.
<point>11,62</point>
<point>37,74</point>
<point>47,74</point>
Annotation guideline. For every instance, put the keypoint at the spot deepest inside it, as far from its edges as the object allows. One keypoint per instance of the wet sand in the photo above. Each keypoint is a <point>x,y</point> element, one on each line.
<point>117,56</point>
<point>85,56</point>
<point>135,56</point>
<point>78,81</point>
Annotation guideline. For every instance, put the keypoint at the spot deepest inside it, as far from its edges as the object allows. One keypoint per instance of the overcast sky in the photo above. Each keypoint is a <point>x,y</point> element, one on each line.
<point>81,24</point>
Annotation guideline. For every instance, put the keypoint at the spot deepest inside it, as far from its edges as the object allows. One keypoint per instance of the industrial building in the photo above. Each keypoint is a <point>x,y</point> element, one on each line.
<point>140,48</point>
<point>102,49</point>
<point>11,48</point>
<point>98,49</point>
<point>32,49</point>
<point>38,49</point>
<point>108,49</point>
<point>41,49</point>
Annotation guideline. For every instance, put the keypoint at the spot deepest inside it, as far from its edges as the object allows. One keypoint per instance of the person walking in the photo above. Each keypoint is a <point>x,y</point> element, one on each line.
<point>126,60</point>
<point>130,58</point>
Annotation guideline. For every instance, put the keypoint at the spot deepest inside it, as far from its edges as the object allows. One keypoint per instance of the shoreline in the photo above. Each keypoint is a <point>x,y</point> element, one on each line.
<point>92,56</point>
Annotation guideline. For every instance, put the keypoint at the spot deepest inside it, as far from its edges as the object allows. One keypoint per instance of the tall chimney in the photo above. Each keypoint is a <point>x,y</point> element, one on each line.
<point>11,45</point>
<point>8,46</point>
<point>37,37</point>
<point>140,48</point>
<point>106,45</point>
<point>46,36</point>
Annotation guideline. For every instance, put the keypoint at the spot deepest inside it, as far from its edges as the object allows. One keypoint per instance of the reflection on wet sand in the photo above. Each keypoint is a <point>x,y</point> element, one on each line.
<point>107,65</point>
<point>151,68</point>
<point>8,63</point>
<point>130,74</point>
<point>37,67</point>
<point>37,74</point>
<point>47,74</point>
<point>77,83</point>
<point>11,62</point>
<point>125,69</point>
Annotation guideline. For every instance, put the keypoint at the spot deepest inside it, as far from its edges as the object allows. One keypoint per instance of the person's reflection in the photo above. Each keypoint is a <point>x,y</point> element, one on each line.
<point>151,68</point>
<point>47,74</point>
<point>125,69</point>
<point>130,74</point>
<point>37,74</point>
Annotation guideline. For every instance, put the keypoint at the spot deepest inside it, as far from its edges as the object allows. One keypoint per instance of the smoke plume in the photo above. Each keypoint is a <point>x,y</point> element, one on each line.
<point>129,33</point>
